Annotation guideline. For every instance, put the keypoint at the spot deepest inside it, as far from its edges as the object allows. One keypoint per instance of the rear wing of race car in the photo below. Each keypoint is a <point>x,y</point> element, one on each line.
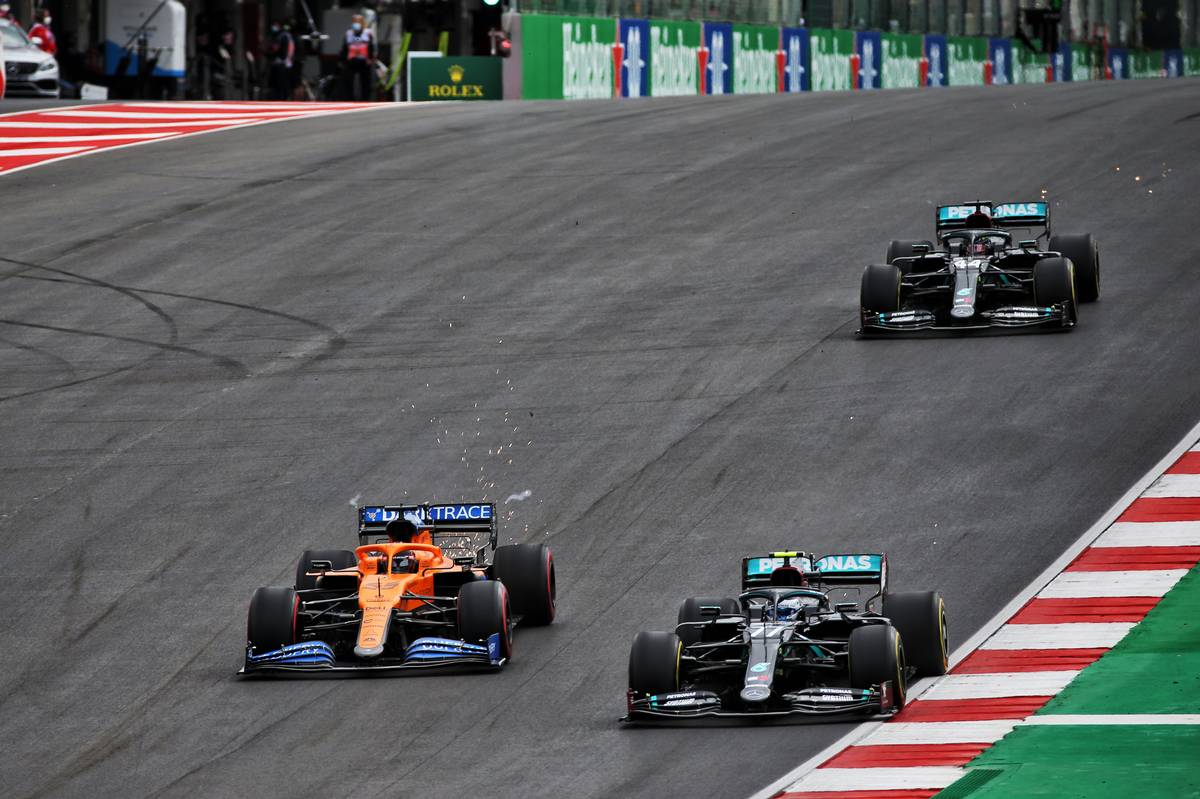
<point>1032,214</point>
<point>855,570</point>
<point>457,528</point>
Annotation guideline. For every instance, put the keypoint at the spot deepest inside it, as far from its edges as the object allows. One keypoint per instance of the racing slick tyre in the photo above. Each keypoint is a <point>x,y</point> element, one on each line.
<point>689,611</point>
<point>920,616</point>
<point>903,248</point>
<point>483,611</point>
<point>654,663</point>
<point>272,621</point>
<point>340,558</point>
<point>1084,253</point>
<point>880,289</point>
<point>876,655</point>
<point>1054,282</point>
<point>527,571</point>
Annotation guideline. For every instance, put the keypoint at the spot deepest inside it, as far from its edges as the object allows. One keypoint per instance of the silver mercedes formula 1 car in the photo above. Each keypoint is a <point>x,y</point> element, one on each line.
<point>976,276</point>
<point>808,637</point>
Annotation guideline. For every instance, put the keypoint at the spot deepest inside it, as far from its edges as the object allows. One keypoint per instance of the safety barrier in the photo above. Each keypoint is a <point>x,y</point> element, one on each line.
<point>563,57</point>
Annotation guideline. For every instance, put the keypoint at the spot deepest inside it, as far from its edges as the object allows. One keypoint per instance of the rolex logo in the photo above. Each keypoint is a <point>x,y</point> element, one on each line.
<point>456,73</point>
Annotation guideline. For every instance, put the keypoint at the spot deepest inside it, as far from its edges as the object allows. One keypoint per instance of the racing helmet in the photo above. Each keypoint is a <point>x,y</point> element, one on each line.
<point>983,247</point>
<point>790,608</point>
<point>404,563</point>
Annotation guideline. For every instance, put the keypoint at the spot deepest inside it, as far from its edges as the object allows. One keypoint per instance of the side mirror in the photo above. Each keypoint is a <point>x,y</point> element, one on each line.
<point>920,249</point>
<point>845,607</point>
<point>1027,244</point>
<point>710,611</point>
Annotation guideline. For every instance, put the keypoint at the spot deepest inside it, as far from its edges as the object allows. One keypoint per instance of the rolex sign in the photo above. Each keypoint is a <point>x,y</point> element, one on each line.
<point>456,78</point>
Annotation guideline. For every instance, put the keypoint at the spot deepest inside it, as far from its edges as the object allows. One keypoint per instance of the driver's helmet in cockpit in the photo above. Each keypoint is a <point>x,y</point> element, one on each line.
<point>790,608</point>
<point>983,247</point>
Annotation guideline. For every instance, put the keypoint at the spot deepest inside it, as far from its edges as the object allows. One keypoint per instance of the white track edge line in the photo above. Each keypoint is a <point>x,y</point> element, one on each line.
<point>1185,444</point>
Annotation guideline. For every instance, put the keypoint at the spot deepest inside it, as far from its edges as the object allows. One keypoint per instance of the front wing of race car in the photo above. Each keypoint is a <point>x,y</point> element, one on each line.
<point>833,704</point>
<point>318,657</point>
<point>1010,316</point>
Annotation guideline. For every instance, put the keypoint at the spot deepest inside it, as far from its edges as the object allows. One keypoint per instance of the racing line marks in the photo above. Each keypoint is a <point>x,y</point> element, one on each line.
<point>28,139</point>
<point>1077,616</point>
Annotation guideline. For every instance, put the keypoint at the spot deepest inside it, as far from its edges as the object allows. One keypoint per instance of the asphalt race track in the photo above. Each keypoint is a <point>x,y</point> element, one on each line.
<point>641,312</point>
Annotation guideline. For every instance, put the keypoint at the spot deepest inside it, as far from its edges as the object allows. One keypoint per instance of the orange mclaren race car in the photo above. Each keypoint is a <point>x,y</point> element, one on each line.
<point>418,592</point>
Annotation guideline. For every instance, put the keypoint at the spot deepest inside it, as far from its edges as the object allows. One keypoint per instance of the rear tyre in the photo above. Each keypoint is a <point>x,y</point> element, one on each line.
<point>272,622</point>
<point>880,289</point>
<point>876,655</point>
<point>482,612</point>
<point>1084,253</point>
<point>1054,282</point>
<point>689,611</point>
<point>340,558</point>
<point>920,616</point>
<point>654,663</point>
<point>527,571</point>
<point>903,248</point>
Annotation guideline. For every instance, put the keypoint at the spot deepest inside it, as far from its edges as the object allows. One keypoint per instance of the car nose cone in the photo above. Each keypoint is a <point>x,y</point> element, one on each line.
<point>756,693</point>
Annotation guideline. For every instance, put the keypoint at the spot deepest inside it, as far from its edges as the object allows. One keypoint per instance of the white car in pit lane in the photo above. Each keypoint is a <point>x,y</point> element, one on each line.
<point>29,71</point>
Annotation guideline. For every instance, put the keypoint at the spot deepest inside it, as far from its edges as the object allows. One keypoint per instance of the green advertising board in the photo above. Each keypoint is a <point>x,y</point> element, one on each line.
<point>674,67</point>
<point>967,54</point>
<point>1145,63</point>
<point>1191,61</point>
<point>566,57</point>
<point>754,48</point>
<point>902,56</point>
<point>1083,61</point>
<point>830,52</point>
<point>1028,66</point>
<point>458,78</point>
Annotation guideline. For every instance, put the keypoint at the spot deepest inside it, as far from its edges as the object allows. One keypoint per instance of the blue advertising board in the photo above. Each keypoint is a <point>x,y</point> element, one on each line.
<point>635,63</point>
<point>1118,62</point>
<point>796,48</point>
<point>1173,63</point>
<point>1000,54</point>
<point>936,53</point>
<point>718,39</point>
<point>869,46</point>
<point>1061,61</point>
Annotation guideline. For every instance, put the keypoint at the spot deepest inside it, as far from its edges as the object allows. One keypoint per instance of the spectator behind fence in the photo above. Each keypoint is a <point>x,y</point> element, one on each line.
<point>358,54</point>
<point>282,50</point>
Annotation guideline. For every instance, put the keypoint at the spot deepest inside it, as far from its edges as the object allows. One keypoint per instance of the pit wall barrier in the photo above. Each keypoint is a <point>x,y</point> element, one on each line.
<point>561,57</point>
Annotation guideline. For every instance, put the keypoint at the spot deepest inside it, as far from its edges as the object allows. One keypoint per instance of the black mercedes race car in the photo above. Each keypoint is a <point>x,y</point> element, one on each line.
<point>811,637</point>
<point>977,277</point>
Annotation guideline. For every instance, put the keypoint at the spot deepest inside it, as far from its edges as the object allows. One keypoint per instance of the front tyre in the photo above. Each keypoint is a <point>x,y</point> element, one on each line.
<point>1084,253</point>
<point>654,663</point>
<point>920,616</point>
<point>880,292</point>
<point>272,621</point>
<point>527,571</point>
<point>1054,283</point>
<point>876,655</point>
<point>483,612</point>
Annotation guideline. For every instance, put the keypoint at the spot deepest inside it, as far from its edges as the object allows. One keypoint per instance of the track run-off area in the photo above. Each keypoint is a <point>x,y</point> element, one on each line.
<point>642,313</point>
